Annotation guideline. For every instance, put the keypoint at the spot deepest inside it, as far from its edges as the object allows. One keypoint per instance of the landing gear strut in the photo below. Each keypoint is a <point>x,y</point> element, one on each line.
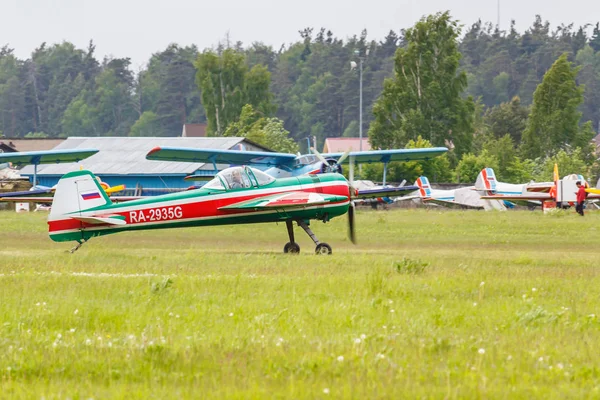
<point>291,247</point>
<point>322,248</point>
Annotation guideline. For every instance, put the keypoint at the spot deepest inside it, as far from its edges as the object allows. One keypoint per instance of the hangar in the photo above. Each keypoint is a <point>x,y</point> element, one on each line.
<point>122,161</point>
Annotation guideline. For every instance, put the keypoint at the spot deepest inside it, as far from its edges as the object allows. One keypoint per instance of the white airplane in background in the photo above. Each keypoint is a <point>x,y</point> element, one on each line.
<point>465,197</point>
<point>561,192</point>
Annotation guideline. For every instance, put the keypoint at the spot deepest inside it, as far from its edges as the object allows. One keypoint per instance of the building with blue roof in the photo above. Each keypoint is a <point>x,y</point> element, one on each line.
<point>122,161</point>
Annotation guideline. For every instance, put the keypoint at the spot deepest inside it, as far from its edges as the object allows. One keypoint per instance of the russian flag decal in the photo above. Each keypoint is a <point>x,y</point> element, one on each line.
<point>90,195</point>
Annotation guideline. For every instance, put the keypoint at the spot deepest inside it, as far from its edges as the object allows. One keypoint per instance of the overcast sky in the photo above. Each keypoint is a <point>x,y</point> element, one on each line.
<point>138,28</point>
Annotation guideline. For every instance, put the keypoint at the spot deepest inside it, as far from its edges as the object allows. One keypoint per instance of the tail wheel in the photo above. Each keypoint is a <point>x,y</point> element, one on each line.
<point>291,248</point>
<point>323,249</point>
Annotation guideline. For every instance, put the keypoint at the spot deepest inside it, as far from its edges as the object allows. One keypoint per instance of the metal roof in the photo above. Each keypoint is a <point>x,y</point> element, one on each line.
<point>127,155</point>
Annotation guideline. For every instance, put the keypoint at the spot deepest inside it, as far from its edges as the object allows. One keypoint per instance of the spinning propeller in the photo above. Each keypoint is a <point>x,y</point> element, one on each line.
<point>336,166</point>
<point>351,231</point>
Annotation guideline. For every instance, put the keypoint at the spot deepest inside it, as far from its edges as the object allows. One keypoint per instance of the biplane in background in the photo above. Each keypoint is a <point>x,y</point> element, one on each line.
<point>285,165</point>
<point>236,195</point>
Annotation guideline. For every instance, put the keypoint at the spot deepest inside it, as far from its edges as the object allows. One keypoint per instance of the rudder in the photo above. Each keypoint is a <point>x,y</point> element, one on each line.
<point>424,187</point>
<point>76,192</point>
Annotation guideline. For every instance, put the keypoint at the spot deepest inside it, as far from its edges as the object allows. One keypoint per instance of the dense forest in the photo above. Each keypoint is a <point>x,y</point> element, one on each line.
<point>309,88</point>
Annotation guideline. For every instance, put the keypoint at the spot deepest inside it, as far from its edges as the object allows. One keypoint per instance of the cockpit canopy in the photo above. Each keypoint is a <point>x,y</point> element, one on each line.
<point>235,178</point>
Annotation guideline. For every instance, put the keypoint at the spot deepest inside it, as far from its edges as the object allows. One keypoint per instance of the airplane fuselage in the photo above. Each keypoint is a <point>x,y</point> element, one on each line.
<point>204,207</point>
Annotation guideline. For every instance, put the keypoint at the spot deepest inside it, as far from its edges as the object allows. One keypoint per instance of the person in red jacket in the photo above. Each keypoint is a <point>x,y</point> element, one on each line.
<point>581,195</point>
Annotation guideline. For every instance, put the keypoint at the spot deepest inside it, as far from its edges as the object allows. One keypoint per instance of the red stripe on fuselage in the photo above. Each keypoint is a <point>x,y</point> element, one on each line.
<point>197,207</point>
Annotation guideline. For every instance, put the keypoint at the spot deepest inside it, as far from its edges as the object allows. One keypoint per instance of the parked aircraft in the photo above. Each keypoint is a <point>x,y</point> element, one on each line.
<point>561,192</point>
<point>465,197</point>
<point>36,158</point>
<point>41,194</point>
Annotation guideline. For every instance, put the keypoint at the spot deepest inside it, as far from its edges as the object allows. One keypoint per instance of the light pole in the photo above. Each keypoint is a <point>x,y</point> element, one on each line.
<point>360,90</point>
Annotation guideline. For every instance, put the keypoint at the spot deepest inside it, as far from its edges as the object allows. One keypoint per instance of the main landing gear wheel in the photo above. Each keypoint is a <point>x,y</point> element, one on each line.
<point>323,249</point>
<point>291,248</point>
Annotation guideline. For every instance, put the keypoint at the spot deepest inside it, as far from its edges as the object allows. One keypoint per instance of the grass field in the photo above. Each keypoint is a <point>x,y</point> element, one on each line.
<point>430,304</point>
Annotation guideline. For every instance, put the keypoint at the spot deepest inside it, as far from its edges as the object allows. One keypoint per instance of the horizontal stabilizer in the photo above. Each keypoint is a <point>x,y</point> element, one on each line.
<point>101,220</point>
<point>286,200</point>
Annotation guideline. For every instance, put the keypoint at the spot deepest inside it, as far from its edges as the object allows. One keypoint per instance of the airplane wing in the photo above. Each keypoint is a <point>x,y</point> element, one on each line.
<point>46,157</point>
<point>286,200</point>
<point>534,196</point>
<point>383,156</point>
<point>384,192</point>
<point>24,199</point>
<point>26,193</point>
<point>220,156</point>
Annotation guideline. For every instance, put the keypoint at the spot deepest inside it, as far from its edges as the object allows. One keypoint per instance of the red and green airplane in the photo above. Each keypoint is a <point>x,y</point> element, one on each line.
<point>237,195</point>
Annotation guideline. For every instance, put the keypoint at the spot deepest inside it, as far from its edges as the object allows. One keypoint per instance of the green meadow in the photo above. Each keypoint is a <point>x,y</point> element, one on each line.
<point>429,304</point>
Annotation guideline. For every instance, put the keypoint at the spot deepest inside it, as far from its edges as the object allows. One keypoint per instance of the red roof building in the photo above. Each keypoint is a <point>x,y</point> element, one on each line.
<point>194,130</point>
<point>342,144</point>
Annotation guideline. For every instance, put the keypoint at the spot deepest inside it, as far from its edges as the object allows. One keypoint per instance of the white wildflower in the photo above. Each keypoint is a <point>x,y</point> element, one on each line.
<point>392,311</point>
<point>363,336</point>
<point>357,341</point>
<point>533,289</point>
<point>231,314</point>
<point>481,351</point>
<point>340,358</point>
<point>380,356</point>
<point>76,311</point>
<point>326,390</point>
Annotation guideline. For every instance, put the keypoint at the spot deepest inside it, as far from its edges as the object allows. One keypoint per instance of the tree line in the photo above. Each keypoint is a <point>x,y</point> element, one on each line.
<point>510,99</point>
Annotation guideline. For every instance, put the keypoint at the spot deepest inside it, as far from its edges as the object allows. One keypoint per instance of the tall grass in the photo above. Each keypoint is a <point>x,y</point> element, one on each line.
<point>429,304</point>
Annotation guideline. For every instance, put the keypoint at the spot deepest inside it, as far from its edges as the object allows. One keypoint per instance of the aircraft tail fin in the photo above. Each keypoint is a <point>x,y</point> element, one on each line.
<point>76,192</point>
<point>486,181</point>
<point>424,187</point>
